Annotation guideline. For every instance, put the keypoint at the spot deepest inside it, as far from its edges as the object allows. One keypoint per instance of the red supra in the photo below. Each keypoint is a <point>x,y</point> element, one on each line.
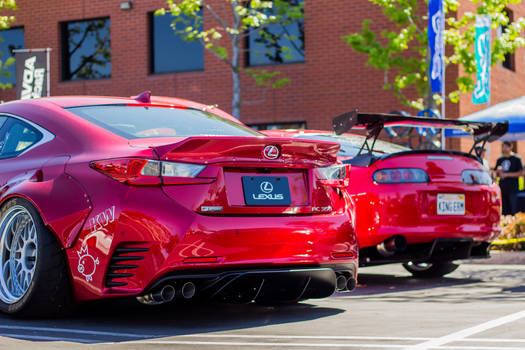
<point>424,209</point>
<point>164,199</point>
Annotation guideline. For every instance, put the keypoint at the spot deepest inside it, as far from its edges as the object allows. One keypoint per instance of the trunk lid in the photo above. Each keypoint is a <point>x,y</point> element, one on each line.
<point>252,175</point>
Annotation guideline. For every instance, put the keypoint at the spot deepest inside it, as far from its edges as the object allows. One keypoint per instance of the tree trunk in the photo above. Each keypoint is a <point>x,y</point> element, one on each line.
<point>236,69</point>
<point>236,100</point>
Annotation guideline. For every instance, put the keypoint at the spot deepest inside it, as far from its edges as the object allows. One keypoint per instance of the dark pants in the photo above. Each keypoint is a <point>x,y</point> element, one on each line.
<point>509,203</point>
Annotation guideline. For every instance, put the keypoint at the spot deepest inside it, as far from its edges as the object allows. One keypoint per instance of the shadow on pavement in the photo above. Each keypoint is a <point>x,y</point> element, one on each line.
<point>472,283</point>
<point>126,320</point>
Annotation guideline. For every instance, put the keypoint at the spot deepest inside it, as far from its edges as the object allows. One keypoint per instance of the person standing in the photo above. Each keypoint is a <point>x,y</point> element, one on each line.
<point>509,168</point>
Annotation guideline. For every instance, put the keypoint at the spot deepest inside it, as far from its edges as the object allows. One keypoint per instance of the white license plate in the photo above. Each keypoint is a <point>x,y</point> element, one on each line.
<point>450,204</point>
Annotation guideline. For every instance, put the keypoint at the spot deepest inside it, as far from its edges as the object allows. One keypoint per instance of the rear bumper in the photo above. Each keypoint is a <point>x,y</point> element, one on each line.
<point>149,236</point>
<point>285,284</point>
<point>446,249</point>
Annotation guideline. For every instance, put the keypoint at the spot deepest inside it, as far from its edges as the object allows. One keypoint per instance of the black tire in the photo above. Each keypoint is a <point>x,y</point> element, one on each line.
<point>431,269</point>
<point>49,292</point>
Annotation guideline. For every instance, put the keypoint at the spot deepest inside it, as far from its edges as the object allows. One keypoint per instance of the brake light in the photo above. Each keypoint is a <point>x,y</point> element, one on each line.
<point>147,172</point>
<point>476,177</point>
<point>394,176</point>
<point>335,176</point>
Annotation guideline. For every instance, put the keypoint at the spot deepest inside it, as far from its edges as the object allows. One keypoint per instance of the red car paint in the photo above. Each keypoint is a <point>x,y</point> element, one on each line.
<point>380,211</point>
<point>92,214</point>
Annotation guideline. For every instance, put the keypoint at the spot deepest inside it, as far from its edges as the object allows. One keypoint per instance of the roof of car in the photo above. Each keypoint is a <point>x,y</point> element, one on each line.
<point>76,101</point>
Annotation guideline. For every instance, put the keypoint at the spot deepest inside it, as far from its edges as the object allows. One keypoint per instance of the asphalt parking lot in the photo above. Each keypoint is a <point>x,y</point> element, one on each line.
<point>479,306</point>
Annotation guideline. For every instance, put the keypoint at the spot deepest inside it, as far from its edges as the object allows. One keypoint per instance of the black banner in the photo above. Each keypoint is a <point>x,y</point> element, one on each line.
<point>31,77</point>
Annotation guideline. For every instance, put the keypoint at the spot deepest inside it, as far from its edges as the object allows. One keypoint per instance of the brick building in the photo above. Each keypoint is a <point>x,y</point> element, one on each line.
<point>330,79</point>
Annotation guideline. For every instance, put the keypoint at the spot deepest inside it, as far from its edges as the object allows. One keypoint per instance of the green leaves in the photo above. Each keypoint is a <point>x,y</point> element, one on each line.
<point>401,53</point>
<point>228,22</point>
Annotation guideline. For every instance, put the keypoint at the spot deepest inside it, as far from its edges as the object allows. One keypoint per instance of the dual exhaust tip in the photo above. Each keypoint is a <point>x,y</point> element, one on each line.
<point>167,293</point>
<point>344,284</point>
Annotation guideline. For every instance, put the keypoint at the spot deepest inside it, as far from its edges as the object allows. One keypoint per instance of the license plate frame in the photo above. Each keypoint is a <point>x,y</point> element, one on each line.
<point>450,204</point>
<point>266,191</point>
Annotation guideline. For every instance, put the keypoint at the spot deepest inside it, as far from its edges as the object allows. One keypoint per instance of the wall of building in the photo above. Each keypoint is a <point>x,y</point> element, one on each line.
<point>332,80</point>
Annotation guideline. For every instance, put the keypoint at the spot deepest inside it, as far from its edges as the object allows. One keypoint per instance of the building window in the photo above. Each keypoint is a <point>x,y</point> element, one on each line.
<point>509,61</point>
<point>169,52</point>
<point>11,39</point>
<point>278,126</point>
<point>278,43</point>
<point>86,51</point>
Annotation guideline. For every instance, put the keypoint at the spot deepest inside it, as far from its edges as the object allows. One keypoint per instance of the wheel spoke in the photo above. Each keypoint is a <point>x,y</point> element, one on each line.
<point>18,253</point>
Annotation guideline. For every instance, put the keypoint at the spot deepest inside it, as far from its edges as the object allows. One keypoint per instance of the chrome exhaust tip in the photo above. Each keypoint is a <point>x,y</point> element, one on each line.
<point>187,290</point>
<point>340,283</point>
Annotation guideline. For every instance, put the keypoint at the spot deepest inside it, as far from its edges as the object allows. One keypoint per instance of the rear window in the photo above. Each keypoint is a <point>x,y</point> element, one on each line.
<point>351,144</point>
<point>135,122</point>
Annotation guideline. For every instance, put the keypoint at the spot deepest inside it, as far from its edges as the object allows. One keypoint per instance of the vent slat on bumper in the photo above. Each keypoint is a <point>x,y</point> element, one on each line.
<point>123,255</point>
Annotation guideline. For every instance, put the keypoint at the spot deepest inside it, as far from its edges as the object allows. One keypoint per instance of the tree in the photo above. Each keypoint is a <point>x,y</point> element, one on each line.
<point>401,53</point>
<point>230,23</point>
<point>5,22</point>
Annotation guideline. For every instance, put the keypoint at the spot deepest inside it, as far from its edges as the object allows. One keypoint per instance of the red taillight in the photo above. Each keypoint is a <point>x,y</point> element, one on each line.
<point>201,260</point>
<point>343,255</point>
<point>334,176</point>
<point>147,172</point>
<point>127,170</point>
<point>402,175</point>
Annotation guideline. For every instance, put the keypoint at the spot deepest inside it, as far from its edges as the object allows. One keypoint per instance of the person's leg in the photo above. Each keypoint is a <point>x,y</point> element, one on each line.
<point>505,205</point>
<point>513,201</point>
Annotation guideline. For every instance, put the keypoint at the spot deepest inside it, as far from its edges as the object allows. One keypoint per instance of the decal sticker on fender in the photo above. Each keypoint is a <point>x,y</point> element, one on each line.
<point>103,219</point>
<point>87,263</point>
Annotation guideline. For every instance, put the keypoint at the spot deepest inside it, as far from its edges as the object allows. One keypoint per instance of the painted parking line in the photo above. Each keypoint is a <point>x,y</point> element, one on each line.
<point>318,345</point>
<point>457,336</point>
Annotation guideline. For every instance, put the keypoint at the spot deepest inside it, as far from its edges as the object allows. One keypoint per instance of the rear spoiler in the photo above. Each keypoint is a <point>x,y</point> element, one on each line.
<point>482,132</point>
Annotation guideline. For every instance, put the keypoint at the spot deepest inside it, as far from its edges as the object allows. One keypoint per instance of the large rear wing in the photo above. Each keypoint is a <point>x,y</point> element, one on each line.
<point>482,132</point>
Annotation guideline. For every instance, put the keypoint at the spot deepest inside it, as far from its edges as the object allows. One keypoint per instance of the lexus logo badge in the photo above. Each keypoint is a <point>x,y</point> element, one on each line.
<point>266,187</point>
<point>271,152</point>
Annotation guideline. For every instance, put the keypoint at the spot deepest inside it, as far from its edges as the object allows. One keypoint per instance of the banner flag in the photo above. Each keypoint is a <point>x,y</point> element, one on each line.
<point>31,77</point>
<point>435,42</point>
<point>483,61</point>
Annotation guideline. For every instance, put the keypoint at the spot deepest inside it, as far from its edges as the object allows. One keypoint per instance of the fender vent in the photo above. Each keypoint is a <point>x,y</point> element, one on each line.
<point>125,257</point>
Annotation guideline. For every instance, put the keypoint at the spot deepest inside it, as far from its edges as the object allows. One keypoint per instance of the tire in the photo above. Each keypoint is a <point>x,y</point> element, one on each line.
<point>41,287</point>
<point>430,269</point>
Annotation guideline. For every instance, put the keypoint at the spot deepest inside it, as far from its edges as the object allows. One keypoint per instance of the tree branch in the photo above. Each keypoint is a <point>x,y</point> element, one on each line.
<point>228,62</point>
<point>216,16</point>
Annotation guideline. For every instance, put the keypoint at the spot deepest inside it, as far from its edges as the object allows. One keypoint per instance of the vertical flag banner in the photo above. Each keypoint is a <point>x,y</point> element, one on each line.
<point>483,61</point>
<point>31,77</point>
<point>435,42</point>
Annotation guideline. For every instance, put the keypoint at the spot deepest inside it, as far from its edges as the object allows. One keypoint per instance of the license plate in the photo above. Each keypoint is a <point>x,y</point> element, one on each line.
<point>266,190</point>
<point>450,204</point>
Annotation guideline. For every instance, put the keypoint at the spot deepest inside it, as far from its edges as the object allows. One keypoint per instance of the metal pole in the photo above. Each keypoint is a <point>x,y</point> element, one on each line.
<point>443,97</point>
<point>48,87</point>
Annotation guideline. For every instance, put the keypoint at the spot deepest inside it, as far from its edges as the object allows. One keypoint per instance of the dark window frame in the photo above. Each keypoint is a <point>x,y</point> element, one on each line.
<point>6,126</point>
<point>12,54</point>
<point>151,56</point>
<point>65,74</point>
<point>510,58</point>
<point>248,63</point>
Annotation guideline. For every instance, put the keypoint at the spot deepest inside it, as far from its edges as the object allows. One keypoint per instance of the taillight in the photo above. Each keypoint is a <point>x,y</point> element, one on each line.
<point>336,176</point>
<point>476,177</point>
<point>396,176</point>
<point>147,172</point>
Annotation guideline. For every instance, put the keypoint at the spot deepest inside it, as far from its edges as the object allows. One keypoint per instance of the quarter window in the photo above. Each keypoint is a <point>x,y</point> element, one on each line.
<point>86,51</point>
<point>11,39</point>
<point>16,137</point>
<point>169,51</point>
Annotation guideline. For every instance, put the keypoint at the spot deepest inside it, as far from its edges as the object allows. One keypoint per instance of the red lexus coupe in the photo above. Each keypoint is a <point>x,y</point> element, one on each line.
<point>161,199</point>
<point>422,208</point>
